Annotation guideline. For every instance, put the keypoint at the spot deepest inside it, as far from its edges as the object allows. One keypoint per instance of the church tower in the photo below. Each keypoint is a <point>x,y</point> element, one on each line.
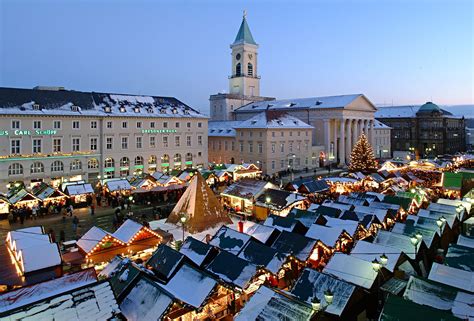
<point>244,79</point>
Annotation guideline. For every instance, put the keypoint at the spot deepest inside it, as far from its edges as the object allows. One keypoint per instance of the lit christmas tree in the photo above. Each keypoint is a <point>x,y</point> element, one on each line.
<point>362,156</point>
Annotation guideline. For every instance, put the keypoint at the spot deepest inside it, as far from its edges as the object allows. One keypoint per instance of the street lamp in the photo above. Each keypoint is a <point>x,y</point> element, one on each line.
<point>414,240</point>
<point>183,220</point>
<point>328,296</point>
<point>440,221</point>
<point>316,304</point>
<point>376,265</point>
<point>383,259</point>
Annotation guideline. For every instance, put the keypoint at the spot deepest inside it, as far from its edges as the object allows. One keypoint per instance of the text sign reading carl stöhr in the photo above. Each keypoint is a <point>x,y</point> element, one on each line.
<point>27,132</point>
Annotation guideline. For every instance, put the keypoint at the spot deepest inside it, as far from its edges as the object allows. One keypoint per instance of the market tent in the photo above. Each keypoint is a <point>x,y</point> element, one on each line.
<point>272,305</point>
<point>117,184</point>
<point>312,284</point>
<point>229,240</point>
<point>74,189</point>
<point>44,192</point>
<point>96,239</point>
<point>131,231</point>
<point>200,206</point>
<point>197,251</point>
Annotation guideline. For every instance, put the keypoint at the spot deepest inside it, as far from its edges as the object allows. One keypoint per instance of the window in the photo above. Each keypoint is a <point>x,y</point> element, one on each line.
<point>139,142</point>
<point>273,134</point>
<point>260,148</point>
<point>109,143</point>
<point>273,147</point>
<point>291,133</point>
<point>37,124</point>
<point>76,165</point>
<point>282,134</point>
<point>36,145</point>
<point>200,140</point>
<point>15,124</point>
<point>250,134</point>
<point>56,145</point>
<point>188,157</point>
<point>92,163</point>
<point>199,154</point>
<point>75,124</point>
<point>109,162</point>
<point>299,133</point>
<point>188,141</point>
<point>282,147</point>
<point>282,163</point>
<point>273,164</point>
<point>241,134</point>
<point>93,124</point>
<point>109,124</point>
<point>124,162</point>
<point>260,134</point>
<point>138,160</point>
<point>76,143</point>
<point>57,166</point>
<point>124,142</point>
<point>290,146</point>
<point>139,124</point>
<point>165,159</point>
<point>176,125</point>
<point>57,124</point>
<point>94,143</point>
<point>15,146</point>
<point>15,169</point>
<point>238,69</point>
<point>220,145</point>
<point>250,69</point>
<point>37,167</point>
<point>152,141</point>
<point>124,124</point>
<point>177,141</point>
<point>188,125</point>
<point>226,145</point>
<point>152,160</point>
<point>250,147</point>
<point>233,145</point>
<point>165,141</point>
<point>152,124</point>
<point>165,124</point>
<point>177,158</point>
<point>199,125</point>
<point>241,147</point>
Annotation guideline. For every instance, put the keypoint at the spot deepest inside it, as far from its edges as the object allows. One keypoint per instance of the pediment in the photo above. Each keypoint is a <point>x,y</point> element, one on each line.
<point>361,103</point>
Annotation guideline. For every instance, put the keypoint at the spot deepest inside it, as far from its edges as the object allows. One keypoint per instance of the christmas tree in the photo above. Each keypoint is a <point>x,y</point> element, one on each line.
<point>362,156</point>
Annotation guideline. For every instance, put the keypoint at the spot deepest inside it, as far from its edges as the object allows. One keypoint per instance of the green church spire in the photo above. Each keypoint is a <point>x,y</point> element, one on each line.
<point>244,35</point>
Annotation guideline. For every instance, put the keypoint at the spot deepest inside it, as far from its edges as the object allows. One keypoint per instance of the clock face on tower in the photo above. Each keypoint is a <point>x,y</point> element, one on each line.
<point>237,56</point>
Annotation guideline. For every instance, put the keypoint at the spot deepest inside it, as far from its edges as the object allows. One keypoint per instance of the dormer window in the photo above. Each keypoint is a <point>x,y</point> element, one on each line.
<point>254,122</point>
<point>122,109</point>
<point>175,111</point>
<point>186,112</point>
<point>36,107</point>
<point>292,104</point>
<point>107,109</point>
<point>136,109</point>
<point>150,110</point>
<point>319,102</point>
<point>295,122</point>
<point>163,110</point>
<point>75,108</point>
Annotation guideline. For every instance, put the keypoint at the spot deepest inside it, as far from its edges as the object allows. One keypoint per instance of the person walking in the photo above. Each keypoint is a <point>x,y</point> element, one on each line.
<point>62,237</point>
<point>92,209</point>
<point>75,223</point>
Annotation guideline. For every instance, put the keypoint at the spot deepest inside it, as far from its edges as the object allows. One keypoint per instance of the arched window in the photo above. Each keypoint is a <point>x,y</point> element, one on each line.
<point>238,69</point>
<point>177,158</point>
<point>37,167</point>
<point>249,69</point>
<point>138,160</point>
<point>76,165</point>
<point>152,160</point>
<point>124,162</point>
<point>109,162</point>
<point>15,169</point>
<point>57,166</point>
<point>93,163</point>
<point>165,158</point>
<point>189,157</point>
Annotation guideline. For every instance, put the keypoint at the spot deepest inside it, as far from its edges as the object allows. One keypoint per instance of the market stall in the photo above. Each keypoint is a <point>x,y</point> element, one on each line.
<point>78,191</point>
<point>23,198</point>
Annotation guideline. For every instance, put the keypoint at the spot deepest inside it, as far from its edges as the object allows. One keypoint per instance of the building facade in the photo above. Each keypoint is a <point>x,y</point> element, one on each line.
<point>273,140</point>
<point>381,142</point>
<point>55,135</point>
<point>426,131</point>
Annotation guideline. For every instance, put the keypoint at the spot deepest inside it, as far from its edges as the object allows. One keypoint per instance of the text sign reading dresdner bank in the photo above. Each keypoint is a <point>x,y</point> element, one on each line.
<point>158,131</point>
<point>26,132</point>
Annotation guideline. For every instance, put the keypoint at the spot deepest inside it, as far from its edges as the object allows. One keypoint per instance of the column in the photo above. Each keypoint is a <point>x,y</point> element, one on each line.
<point>327,141</point>
<point>342,150</point>
<point>355,132</point>
<point>349,135</point>
<point>366,129</point>
<point>371,132</point>
<point>335,140</point>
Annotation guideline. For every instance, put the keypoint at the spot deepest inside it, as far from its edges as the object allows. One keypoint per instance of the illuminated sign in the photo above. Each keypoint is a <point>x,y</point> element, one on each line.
<point>27,132</point>
<point>158,131</point>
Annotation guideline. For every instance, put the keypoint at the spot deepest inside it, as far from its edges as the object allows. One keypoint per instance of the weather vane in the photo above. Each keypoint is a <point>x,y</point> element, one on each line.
<point>245,13</point>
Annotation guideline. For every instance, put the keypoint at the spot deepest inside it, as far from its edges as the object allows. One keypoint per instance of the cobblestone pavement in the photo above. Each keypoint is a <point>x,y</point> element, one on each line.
<point>103,218</point>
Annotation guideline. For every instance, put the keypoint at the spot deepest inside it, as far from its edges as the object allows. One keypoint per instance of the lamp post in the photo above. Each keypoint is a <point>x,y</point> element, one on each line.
<point>415,239</point>
<point>183,220</point>
<point>459,209</point>
<point>440,222</point>
<point>383,259</point>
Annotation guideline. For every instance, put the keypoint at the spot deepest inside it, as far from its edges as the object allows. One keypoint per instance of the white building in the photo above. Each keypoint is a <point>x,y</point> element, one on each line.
<point>53,135</point>
<point>381,142</point>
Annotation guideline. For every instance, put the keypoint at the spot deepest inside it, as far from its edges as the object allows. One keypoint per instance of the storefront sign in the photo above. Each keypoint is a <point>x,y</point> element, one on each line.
<point>158,131</point>
<point>27,132</point>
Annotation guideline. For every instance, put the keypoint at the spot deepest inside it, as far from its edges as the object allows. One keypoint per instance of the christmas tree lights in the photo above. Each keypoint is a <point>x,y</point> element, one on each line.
<point>362,156</point>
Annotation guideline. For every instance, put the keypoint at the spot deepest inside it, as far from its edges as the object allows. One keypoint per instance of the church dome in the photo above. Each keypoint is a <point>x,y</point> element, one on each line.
<point>429,107</point>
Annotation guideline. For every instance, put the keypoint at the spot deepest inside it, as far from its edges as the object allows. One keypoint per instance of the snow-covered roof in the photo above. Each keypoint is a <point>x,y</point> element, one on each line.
<point>340,180</point>
<point>369,251</point>
<point>79,189</point>
<point>146,301</point>
<point>269,305</point>
<point>31,240</point>
<point>450,218</point>
<point>380,125</point>
<point>229,240</point>
<point>92,238</point>
<point>263,255</point>
<point>349,226</point>
<point>341,206</point>
<point>34,293</point>
<point>466,241</point>
<point>129,229</point>
<point>41,256</point>
<point>313,284</point>
<point>397,112</point>
<point>113,266</point>
<point>258,231</point>
<point>247,188</point>
<point>351,269</point>
<point>195,250</point>
<point>272,120</point>
<point>165,261</point>
<point>460,257</point>
<point>61,102</point>
<point>327,235</point>
<point>410,228</point>
<point>117,185</point>
<point>190,286</point>
<point>379,212</point>
<point>465,204</point>
<point>457,278</point>
<point>300,103</point>
<point>282,223</point>
<point>300,246</point>
<point>397,241</point>
<point>440,296</point>
<point>222,128</point>
<point>21,195</point>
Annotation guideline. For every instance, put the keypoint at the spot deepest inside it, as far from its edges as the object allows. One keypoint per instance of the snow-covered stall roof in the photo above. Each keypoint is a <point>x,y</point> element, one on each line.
<point>92,239</point>
<point>282,223</point>
<point>229,240</point>
<point>439,207</point>
<point>341,206</point>
<point>380,213</point>
<point>312,284</point>
<point>351,269</point>
<point>22,195</point>
<point>349,226</point>
<point>326,234</point>
<point>195,250</point>
<point>300,246</point>
<point>247,188</point>
<point>466,241</point>
<point>450,218</point>
<point>129,230</point>
<point>278,199</point>
<point>117,185</point>
<point>259,232</point>
<point>44,191</point>
<point>343,180</point>
<point>397,241</point>
<point>191,286</point>
<point>39,257</point>
<point>269,305</point>
<point>262,255</point>
<point>369,251</point>
<point>29,240</point>
<point>410,228</point>
<point>440,296</point>
<point>165,261</point>
<point>307,218</point>
<point>460,257</point>
<point>467,205</point>
<point>463,280</point>
<point>34,293</point>
<point>346,199</point>
<point>78,189</point>
<point>112,267</point>
<point>232,269</point>
<point>146,301</point>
